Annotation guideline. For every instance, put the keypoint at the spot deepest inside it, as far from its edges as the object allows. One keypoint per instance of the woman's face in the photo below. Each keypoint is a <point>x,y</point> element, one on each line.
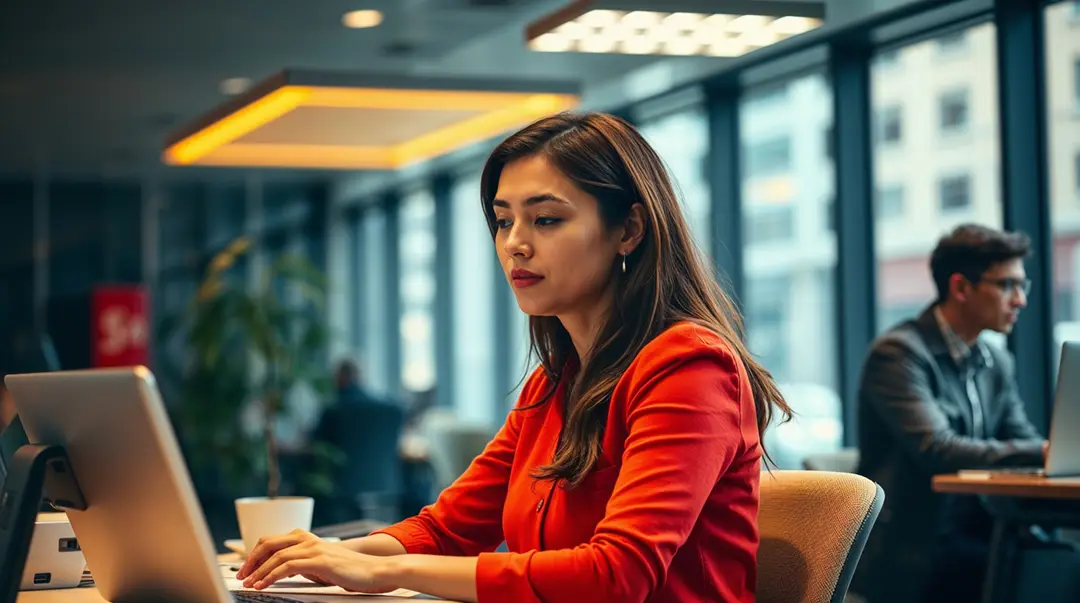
<point>552,243</point>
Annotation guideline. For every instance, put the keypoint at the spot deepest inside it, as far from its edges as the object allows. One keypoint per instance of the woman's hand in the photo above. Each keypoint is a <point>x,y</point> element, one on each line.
<point>301,553</point>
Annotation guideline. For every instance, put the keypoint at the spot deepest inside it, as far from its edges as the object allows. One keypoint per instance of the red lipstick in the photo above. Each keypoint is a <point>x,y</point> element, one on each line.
<point>523,278</point>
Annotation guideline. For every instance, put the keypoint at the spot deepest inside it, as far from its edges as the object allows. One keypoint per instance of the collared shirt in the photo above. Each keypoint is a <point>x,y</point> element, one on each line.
<point>969,359</point>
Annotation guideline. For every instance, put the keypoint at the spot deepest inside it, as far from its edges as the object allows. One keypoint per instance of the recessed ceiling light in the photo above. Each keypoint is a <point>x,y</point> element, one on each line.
<point>680,27</point>
<point>235,85</point>
<point>359,19</point>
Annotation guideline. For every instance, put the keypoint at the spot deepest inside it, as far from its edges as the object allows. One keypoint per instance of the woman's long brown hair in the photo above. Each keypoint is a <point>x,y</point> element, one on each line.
<point>667,280</point>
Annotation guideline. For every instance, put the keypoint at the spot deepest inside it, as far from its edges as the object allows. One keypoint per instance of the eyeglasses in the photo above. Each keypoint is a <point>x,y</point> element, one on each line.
<point>1009,285</point>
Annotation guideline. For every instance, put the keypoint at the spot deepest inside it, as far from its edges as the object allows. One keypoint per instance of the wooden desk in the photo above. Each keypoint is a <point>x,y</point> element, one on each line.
<point>1017,502</point>
<point>1018,486</point>
<point>91,595</point>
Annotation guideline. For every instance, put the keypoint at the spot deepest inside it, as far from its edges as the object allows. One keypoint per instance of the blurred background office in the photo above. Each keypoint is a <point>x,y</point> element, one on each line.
<point>818,168</point>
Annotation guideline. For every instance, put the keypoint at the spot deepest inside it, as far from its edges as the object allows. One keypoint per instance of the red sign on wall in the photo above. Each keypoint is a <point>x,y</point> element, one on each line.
<point>121,326</point>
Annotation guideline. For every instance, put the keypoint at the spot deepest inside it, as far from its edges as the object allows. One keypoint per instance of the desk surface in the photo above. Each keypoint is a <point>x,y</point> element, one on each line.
<point>90,595</point>
<point>1020,486</point>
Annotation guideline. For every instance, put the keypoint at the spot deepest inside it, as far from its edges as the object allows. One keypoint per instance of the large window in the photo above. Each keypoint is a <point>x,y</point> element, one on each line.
<point>416,248</point>
<point>1076,82</point>
<point>890,201</point>
<point>936,179</point>
<point>474,320</point>
<point>790,258</point>
<point>520,362</point>
<point>682,141</point>
<point>1063,114</point>
<point>375,332</point>
<point>768,156</point>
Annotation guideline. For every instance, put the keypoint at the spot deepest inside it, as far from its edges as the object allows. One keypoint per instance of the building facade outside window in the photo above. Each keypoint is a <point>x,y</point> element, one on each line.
<point>1062,53</point>
<point>945,180</point>
<point>790,258</point>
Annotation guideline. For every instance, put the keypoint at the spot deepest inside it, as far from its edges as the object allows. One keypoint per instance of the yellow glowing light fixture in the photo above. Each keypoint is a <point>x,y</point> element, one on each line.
<point>362,19</point>
<point>336,120</point>
<point>722,28</point>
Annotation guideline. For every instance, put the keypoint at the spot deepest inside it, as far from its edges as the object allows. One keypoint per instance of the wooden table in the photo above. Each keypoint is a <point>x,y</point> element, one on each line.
<point>1019,486</point>
<point>1017,502</point>
<point>91,595</point>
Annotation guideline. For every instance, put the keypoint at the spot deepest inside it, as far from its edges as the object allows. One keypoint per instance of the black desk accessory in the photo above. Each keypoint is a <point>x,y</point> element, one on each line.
<point>35,471</point>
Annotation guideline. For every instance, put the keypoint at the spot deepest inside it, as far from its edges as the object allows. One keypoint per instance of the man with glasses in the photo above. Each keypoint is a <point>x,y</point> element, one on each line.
<point>935,398</point>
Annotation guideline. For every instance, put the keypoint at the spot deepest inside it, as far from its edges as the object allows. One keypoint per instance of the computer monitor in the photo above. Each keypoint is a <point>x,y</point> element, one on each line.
<point>1063,458</point>
<point>143,532</point>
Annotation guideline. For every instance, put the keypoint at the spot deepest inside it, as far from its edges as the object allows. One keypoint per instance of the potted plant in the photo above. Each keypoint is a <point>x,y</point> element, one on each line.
<point>243,351</point>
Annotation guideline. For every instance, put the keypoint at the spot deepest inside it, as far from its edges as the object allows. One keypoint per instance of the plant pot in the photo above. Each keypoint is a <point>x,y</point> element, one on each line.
<point>260,516</point>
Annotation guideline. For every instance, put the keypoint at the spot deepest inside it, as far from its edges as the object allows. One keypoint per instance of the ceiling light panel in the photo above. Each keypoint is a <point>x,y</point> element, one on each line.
<point>343,120</point>
<point>682,28</point>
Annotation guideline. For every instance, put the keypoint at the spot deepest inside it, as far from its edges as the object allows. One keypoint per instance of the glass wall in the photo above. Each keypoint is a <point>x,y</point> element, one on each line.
<point>936,157</point>
<point>936,162</point>
<point>474,301</point>
<point>375,332</point>
<point>1063,115</point>
<point>416,248</point>
<point>521,363</point>
<point>682,141</point>
<point>790,257</point>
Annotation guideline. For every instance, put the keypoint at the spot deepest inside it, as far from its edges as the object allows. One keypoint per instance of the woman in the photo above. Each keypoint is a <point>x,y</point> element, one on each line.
<point>629,469</point>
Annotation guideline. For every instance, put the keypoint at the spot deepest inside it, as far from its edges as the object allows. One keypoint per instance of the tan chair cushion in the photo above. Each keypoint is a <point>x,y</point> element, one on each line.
<point>809,521</point>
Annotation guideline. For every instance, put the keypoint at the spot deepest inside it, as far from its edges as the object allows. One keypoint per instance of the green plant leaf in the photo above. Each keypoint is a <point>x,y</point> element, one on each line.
<point>242,347</point>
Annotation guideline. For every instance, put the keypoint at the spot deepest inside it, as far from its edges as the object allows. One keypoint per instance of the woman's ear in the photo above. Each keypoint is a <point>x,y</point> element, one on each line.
<point>633,229</point>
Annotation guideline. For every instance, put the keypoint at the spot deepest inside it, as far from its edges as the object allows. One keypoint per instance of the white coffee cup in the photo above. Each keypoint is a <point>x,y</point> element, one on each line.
<point>261,516</point>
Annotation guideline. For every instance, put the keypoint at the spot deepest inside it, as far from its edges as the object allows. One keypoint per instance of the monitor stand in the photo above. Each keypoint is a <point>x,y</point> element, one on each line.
<point>35,471</point>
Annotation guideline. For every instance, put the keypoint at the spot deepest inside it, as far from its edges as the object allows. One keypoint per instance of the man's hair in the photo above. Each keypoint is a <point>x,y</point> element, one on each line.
<point>970,250</point>
<point>348,370</point>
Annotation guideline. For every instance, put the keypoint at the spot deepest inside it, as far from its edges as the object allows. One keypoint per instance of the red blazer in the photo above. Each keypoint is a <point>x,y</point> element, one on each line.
<point>668,514</point>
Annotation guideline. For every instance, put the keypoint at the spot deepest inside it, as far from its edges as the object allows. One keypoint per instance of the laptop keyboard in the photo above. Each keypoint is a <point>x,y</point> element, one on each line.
<point>250,597</point>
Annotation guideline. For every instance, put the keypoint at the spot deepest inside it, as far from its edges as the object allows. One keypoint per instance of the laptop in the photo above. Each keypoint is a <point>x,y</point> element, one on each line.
<point>1063,456</point>
<point>143,532</point>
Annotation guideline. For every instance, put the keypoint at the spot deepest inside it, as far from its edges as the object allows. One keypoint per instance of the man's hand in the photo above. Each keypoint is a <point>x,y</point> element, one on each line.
<point>1046,449</point>
<point>301,553</point>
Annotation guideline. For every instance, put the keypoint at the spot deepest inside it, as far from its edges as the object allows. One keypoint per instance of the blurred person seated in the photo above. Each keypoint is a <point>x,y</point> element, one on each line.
<point>935,398</point>
<point>367,430</point>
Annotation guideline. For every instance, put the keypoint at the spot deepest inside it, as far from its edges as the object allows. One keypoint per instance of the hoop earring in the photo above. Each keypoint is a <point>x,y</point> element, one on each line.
<point>624,263</point>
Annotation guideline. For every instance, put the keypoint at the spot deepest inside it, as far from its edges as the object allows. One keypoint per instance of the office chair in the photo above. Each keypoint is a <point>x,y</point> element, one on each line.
<point>813,525</point>
<point>452,446</point>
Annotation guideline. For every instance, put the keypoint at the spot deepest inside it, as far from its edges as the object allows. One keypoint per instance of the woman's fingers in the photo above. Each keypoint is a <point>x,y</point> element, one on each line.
<point>286,570</point>
<point>290,553</point>
<point>268,546</point>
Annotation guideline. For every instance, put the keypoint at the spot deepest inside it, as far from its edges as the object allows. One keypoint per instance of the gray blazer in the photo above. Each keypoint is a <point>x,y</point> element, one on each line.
<point>915,421</point>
